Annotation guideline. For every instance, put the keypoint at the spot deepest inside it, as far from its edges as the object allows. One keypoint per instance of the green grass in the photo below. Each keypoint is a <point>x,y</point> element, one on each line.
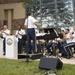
<point>20,67</point>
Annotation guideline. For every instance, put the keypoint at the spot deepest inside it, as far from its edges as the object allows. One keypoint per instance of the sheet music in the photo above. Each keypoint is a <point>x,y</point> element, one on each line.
<point>40,34</point>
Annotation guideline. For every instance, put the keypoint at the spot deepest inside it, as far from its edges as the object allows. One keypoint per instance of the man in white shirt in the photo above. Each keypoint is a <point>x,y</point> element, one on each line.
<point>30,22</point>
<point>5,32</point>
<point>72,36</point>
<point>19,33</point>
<point>65,47</point>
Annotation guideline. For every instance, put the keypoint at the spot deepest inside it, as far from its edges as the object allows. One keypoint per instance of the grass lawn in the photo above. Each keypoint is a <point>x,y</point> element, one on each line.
<point>20,67</point>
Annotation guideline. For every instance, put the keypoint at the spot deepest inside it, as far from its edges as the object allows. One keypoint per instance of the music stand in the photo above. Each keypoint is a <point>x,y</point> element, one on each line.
<point>53,34</point>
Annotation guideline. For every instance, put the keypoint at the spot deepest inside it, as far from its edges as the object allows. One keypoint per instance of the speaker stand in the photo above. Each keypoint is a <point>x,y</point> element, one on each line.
<point>27,59</point>
<point>50,72</point>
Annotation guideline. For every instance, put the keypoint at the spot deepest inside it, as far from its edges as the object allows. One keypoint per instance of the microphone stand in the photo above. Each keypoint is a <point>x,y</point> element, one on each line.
<point>27,59</point>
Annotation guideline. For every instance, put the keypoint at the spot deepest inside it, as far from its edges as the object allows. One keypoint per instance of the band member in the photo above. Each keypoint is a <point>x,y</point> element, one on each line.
<point>19,33</point>
<point>29,24</point>
<point>40,45</point>
<point>5,32</point>
<point>40,41</point>
<point>65,47</point>
<point>50,45</point>
<point>73,36</point>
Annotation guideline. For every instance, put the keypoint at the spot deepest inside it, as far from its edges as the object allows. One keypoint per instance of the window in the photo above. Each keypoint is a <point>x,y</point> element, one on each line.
<point>55,13</point>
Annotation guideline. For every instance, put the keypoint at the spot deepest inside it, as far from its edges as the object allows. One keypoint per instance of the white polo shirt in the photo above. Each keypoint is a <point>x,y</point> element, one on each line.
<point>29,22</point>
<point>6,31</point>
<point>22,32</point>
<point>69,40</point>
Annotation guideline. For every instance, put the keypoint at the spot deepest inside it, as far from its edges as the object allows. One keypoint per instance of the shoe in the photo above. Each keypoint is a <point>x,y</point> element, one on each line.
<point>68,57</point>
<point>64,55</point>
<point>71,56</point>
<point>4,53</point>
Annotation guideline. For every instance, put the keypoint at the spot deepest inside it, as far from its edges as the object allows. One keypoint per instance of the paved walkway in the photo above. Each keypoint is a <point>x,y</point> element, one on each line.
<point>64,60</point>
<point>68,61</point>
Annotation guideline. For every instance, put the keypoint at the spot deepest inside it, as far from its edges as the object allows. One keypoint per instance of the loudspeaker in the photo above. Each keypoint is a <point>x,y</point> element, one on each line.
<point>50,63</point>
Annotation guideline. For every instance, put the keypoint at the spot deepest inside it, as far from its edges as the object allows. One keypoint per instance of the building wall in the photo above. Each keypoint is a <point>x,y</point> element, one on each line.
<point>18,10</point>
<point>10,12</point>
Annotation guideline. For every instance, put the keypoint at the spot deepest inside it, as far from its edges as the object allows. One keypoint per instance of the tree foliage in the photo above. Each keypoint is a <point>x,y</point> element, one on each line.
<point>28,3</point>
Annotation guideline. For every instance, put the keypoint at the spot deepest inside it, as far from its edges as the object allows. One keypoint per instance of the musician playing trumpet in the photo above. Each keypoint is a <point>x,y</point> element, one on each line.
<point>5,32</point>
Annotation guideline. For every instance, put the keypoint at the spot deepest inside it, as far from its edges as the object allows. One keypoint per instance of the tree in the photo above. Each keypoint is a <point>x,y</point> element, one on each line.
<point>28,3</point>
